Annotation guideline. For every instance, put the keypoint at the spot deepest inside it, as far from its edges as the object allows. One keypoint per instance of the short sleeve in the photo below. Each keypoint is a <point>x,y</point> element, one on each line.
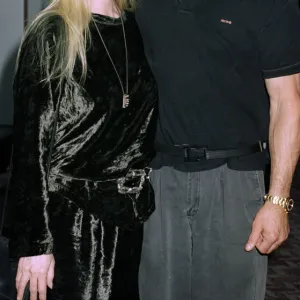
<point>279,40</point>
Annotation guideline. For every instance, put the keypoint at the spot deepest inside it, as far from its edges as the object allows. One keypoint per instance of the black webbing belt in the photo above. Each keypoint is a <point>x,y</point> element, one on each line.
<point>194,154</point>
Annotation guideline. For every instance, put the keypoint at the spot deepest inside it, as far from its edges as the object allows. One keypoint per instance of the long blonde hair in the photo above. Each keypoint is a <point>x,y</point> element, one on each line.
<point>72,40</point>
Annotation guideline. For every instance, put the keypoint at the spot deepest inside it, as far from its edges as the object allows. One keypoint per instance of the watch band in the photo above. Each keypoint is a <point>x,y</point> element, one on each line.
<point>286,203</point>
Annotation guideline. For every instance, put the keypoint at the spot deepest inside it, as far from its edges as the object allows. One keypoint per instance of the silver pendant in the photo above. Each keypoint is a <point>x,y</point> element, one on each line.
<point>125,100</point>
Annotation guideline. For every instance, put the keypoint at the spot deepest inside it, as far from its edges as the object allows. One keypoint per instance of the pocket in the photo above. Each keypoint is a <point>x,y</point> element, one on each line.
<point>253,190</point>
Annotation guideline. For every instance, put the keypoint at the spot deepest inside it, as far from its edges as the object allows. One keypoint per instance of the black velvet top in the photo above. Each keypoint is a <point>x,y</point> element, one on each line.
<point>97,143</point>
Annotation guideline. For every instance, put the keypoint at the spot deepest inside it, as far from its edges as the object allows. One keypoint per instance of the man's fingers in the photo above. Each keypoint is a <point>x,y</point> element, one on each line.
<point>254,238</point>
<point>273,248</point>
<point>273,244</point>
<point>271,241</point>
<point>265,245</point>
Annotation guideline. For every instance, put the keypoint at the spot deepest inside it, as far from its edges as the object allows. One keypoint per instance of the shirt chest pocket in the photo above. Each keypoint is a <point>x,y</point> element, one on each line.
<point>232,31</point>
<point>225,34</point>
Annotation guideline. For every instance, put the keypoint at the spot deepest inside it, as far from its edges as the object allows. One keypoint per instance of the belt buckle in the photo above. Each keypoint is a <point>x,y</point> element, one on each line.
<point>134,181</point>
<point>194,154</point>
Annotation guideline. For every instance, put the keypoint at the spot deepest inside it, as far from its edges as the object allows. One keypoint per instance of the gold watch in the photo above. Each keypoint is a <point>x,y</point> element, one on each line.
<point>286,203</point>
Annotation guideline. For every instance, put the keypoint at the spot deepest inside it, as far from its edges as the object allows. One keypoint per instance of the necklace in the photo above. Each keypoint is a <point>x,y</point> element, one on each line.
<point>125,98</point>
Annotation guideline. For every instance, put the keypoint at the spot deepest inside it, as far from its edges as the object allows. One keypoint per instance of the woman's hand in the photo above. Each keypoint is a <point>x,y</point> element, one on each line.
<point>39,271</point>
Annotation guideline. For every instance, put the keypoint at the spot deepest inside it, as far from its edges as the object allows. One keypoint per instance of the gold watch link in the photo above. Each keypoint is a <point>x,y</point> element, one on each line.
<point>286,203</point>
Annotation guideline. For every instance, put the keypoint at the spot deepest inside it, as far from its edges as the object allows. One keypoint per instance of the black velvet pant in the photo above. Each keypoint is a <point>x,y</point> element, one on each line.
<point>94,260</point>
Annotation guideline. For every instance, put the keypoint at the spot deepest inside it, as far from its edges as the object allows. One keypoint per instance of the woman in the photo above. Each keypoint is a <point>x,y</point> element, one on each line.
<point>85,110</point>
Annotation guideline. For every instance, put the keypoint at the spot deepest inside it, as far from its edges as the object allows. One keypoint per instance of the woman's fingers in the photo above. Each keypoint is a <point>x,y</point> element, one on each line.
<point>33,284</point>
<point>42,287</point>
<point>50,275</point>
<point>22,285</point>
<point>19,273</point>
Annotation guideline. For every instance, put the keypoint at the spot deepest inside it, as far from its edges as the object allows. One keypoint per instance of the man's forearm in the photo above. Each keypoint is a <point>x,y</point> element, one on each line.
<point>284,142</point>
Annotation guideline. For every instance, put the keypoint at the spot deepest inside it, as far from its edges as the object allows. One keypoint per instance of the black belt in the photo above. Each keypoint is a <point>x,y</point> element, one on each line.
<point>194,154</point>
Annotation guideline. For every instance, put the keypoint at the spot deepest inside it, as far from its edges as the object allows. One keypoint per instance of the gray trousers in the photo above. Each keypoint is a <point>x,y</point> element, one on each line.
<point>194,242</point>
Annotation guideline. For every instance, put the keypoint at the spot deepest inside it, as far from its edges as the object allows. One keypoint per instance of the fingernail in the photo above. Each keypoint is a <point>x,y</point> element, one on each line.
<point>248,247</point>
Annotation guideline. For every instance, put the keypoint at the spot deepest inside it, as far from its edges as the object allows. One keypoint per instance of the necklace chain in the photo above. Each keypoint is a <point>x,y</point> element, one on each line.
<point>125,91</point>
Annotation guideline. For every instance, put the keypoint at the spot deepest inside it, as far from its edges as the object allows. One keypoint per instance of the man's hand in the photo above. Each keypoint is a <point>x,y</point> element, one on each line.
<point>39,271</point>
<point>269,230</point>
<point>270,227</point>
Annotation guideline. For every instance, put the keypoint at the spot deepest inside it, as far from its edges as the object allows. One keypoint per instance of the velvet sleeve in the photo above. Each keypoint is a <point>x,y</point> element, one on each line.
<point>34,101</point>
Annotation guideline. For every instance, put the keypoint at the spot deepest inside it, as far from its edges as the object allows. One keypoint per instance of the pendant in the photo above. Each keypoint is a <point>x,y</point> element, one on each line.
<point>125,101</point>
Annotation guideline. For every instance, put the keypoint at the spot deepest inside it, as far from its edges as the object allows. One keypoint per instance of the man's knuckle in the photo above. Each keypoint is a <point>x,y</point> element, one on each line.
<point>263,250</point>
<point>260,249</point>
<point>274,237</point>
<point>282,239</point>
<point>254,224</point>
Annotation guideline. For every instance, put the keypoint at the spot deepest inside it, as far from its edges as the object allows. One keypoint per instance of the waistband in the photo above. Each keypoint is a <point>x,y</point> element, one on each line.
<point>131,183</point>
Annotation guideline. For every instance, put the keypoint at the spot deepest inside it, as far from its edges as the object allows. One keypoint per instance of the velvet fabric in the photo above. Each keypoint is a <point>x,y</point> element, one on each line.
<point>89,211</point>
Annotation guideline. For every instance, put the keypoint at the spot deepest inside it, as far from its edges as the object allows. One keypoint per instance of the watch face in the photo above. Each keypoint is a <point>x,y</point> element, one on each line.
<point>290,205</point>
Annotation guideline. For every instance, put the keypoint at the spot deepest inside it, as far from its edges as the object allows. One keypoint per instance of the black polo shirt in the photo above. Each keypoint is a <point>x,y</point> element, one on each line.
<point>210,59</point>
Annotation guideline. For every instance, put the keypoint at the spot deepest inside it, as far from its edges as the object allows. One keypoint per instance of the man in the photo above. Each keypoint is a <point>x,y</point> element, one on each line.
<point>228,77</point>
